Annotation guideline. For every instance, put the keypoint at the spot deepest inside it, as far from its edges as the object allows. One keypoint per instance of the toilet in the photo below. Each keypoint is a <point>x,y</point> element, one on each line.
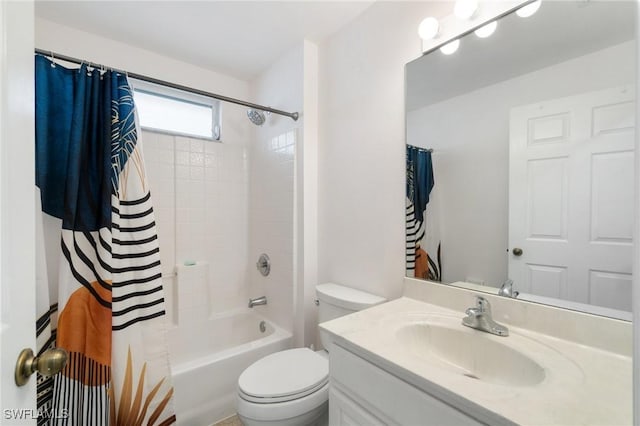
<point>291,387</point>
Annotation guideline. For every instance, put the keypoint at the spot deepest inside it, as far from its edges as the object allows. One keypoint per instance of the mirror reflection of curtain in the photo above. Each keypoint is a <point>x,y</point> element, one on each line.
<point>422,261</point>
<point>105,303</point>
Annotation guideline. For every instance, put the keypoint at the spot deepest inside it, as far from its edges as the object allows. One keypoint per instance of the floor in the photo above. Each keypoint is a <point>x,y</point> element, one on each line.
<point>229,421</point>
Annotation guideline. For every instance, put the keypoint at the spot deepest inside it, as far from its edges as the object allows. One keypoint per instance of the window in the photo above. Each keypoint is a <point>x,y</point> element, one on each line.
<point>167,110</point>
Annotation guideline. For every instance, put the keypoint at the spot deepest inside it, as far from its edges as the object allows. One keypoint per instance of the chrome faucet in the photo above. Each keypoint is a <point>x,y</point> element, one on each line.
<point>262,300</point>
<point>480,318</point>
<point>507,289</point>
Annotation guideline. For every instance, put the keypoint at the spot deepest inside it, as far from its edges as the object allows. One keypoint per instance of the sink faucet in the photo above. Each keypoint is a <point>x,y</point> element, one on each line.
<point>262,300</point>
<point>507,290</point>
<point>480,318</point>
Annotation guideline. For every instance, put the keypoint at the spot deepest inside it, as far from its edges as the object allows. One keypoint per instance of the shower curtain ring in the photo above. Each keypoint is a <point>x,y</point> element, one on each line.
<point>53,64</point>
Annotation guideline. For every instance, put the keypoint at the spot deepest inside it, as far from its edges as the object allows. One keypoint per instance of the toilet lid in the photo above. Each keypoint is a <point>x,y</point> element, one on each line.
<point>284,374</point>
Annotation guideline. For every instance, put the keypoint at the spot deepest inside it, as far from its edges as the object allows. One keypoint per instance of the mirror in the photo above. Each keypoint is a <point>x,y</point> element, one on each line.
<point>527,137</point>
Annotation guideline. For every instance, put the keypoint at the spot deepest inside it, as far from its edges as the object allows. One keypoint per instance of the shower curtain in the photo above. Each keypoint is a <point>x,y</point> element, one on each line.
<point>419,182</point>
<point>100,292</point>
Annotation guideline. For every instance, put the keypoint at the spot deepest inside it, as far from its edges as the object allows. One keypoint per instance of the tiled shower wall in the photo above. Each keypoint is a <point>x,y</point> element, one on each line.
<point>272,222</point>
<point>200,191</point>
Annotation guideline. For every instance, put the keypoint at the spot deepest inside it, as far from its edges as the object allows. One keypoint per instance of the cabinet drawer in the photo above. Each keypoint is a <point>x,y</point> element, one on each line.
<point>393,397</point>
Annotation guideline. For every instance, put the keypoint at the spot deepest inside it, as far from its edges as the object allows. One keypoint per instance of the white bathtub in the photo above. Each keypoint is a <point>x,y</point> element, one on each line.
<point>208,357</point>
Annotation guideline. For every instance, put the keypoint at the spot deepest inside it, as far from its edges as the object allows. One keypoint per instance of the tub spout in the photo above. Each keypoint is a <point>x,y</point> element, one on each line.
<point>262,300</point>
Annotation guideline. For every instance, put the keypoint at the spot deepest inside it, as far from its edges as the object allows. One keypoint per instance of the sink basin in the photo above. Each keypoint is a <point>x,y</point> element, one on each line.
<point>470,353</point>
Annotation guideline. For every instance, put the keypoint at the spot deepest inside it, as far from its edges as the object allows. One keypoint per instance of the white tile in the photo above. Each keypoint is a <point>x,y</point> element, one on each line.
<point>182,217</point>
<point>211,174</point>
<point>148,138</point>
<point>164,200</point>
<point>182,172</point>
<point>197,172</point>
<point>151,154</point>
<point>166,157</point>
<point>197,186</point>
<point>197,215</point>
<point>196,159</point>
<point>182,158</point>
<point>210,147</point>
<point>165,170</point>
<point>196,145</point>
<point>166,142</point>
<point>183,143</point>
<point>196,200</point>
<point>182,199</point>
<point>183,186</point>
<point>210,160</point>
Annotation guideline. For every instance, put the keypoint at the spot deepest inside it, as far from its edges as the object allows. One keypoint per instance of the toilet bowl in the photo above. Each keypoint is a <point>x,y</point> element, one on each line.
<point>285,388</point>
<point>291,387</point>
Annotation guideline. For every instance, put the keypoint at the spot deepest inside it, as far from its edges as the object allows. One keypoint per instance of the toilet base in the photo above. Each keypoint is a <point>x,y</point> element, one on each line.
<point>319,416</point>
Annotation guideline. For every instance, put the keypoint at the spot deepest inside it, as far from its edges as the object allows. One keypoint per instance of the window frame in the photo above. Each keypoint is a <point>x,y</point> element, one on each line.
<point>182,96</point>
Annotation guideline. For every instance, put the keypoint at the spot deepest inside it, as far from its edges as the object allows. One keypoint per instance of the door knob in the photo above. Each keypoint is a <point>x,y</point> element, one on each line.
<point>517,251</point>
<point>51,362</point>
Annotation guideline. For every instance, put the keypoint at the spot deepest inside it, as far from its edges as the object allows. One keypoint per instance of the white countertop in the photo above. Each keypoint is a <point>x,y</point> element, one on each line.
<point>583,385</point>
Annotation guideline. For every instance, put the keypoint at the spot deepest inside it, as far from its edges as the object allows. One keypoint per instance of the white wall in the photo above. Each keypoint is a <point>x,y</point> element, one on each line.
<point>361,168</point>
<point>72,42</point>
<point>470,138</point>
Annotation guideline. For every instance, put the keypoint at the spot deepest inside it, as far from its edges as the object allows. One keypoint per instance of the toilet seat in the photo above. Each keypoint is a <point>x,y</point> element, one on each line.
<point>284,376</point>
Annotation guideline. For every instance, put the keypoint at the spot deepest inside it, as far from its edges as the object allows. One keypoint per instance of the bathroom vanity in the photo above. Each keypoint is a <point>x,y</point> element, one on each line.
<point>362,393</point>
<point>410,361</point>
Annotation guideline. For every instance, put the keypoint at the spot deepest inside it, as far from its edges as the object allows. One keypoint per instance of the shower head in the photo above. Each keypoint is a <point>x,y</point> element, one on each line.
<point>256,116</point>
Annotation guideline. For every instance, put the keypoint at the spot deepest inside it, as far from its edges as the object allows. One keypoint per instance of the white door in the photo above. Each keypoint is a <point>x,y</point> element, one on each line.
<point>571,192</point>
<point>17,208</point>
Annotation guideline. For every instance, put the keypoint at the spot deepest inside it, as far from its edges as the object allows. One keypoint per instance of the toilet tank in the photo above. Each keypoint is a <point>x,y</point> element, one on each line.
<point>337,300</point>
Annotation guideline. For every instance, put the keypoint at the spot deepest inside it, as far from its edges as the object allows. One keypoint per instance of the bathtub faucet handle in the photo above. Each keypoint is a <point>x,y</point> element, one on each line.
<point>262,300</point>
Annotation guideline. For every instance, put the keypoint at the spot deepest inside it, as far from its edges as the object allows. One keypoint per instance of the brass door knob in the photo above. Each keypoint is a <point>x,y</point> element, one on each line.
<point>51,362</point>
<point>517,251</point>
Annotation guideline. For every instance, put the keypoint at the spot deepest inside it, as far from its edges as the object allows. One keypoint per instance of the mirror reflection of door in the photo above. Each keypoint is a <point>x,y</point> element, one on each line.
<point>571,198</point>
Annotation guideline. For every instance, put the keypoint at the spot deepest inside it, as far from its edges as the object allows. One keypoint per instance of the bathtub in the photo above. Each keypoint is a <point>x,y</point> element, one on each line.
<point>209,356</point>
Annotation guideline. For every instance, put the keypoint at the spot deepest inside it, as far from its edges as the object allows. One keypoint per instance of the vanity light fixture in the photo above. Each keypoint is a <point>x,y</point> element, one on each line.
<point>428,28</point>
<point>450,47</point>
<point>528,10</point>
<point>465,9</point>
<point>486,30</point>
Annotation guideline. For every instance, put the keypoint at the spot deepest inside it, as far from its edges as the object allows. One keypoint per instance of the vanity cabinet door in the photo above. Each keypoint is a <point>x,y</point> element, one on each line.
<point>384,396</point>
<point>344,411</point>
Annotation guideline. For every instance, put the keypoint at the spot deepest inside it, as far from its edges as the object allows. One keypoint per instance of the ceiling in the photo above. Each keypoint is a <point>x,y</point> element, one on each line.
<point>239,38</point>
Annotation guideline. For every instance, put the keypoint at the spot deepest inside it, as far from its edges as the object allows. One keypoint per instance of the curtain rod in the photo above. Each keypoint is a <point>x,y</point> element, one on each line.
<point>54,55</point>
<point>420,148</point>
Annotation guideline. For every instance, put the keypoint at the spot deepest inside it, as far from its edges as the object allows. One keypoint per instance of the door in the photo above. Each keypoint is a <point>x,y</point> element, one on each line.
<point>17,208</point>
<point>571,192</point>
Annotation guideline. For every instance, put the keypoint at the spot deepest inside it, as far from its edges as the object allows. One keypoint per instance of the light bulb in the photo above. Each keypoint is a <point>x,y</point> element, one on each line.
<point>465,9</point>
<point>428,28</point>
<point>486,30</point>
<point>450,47</point>
<point>528,10</point>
